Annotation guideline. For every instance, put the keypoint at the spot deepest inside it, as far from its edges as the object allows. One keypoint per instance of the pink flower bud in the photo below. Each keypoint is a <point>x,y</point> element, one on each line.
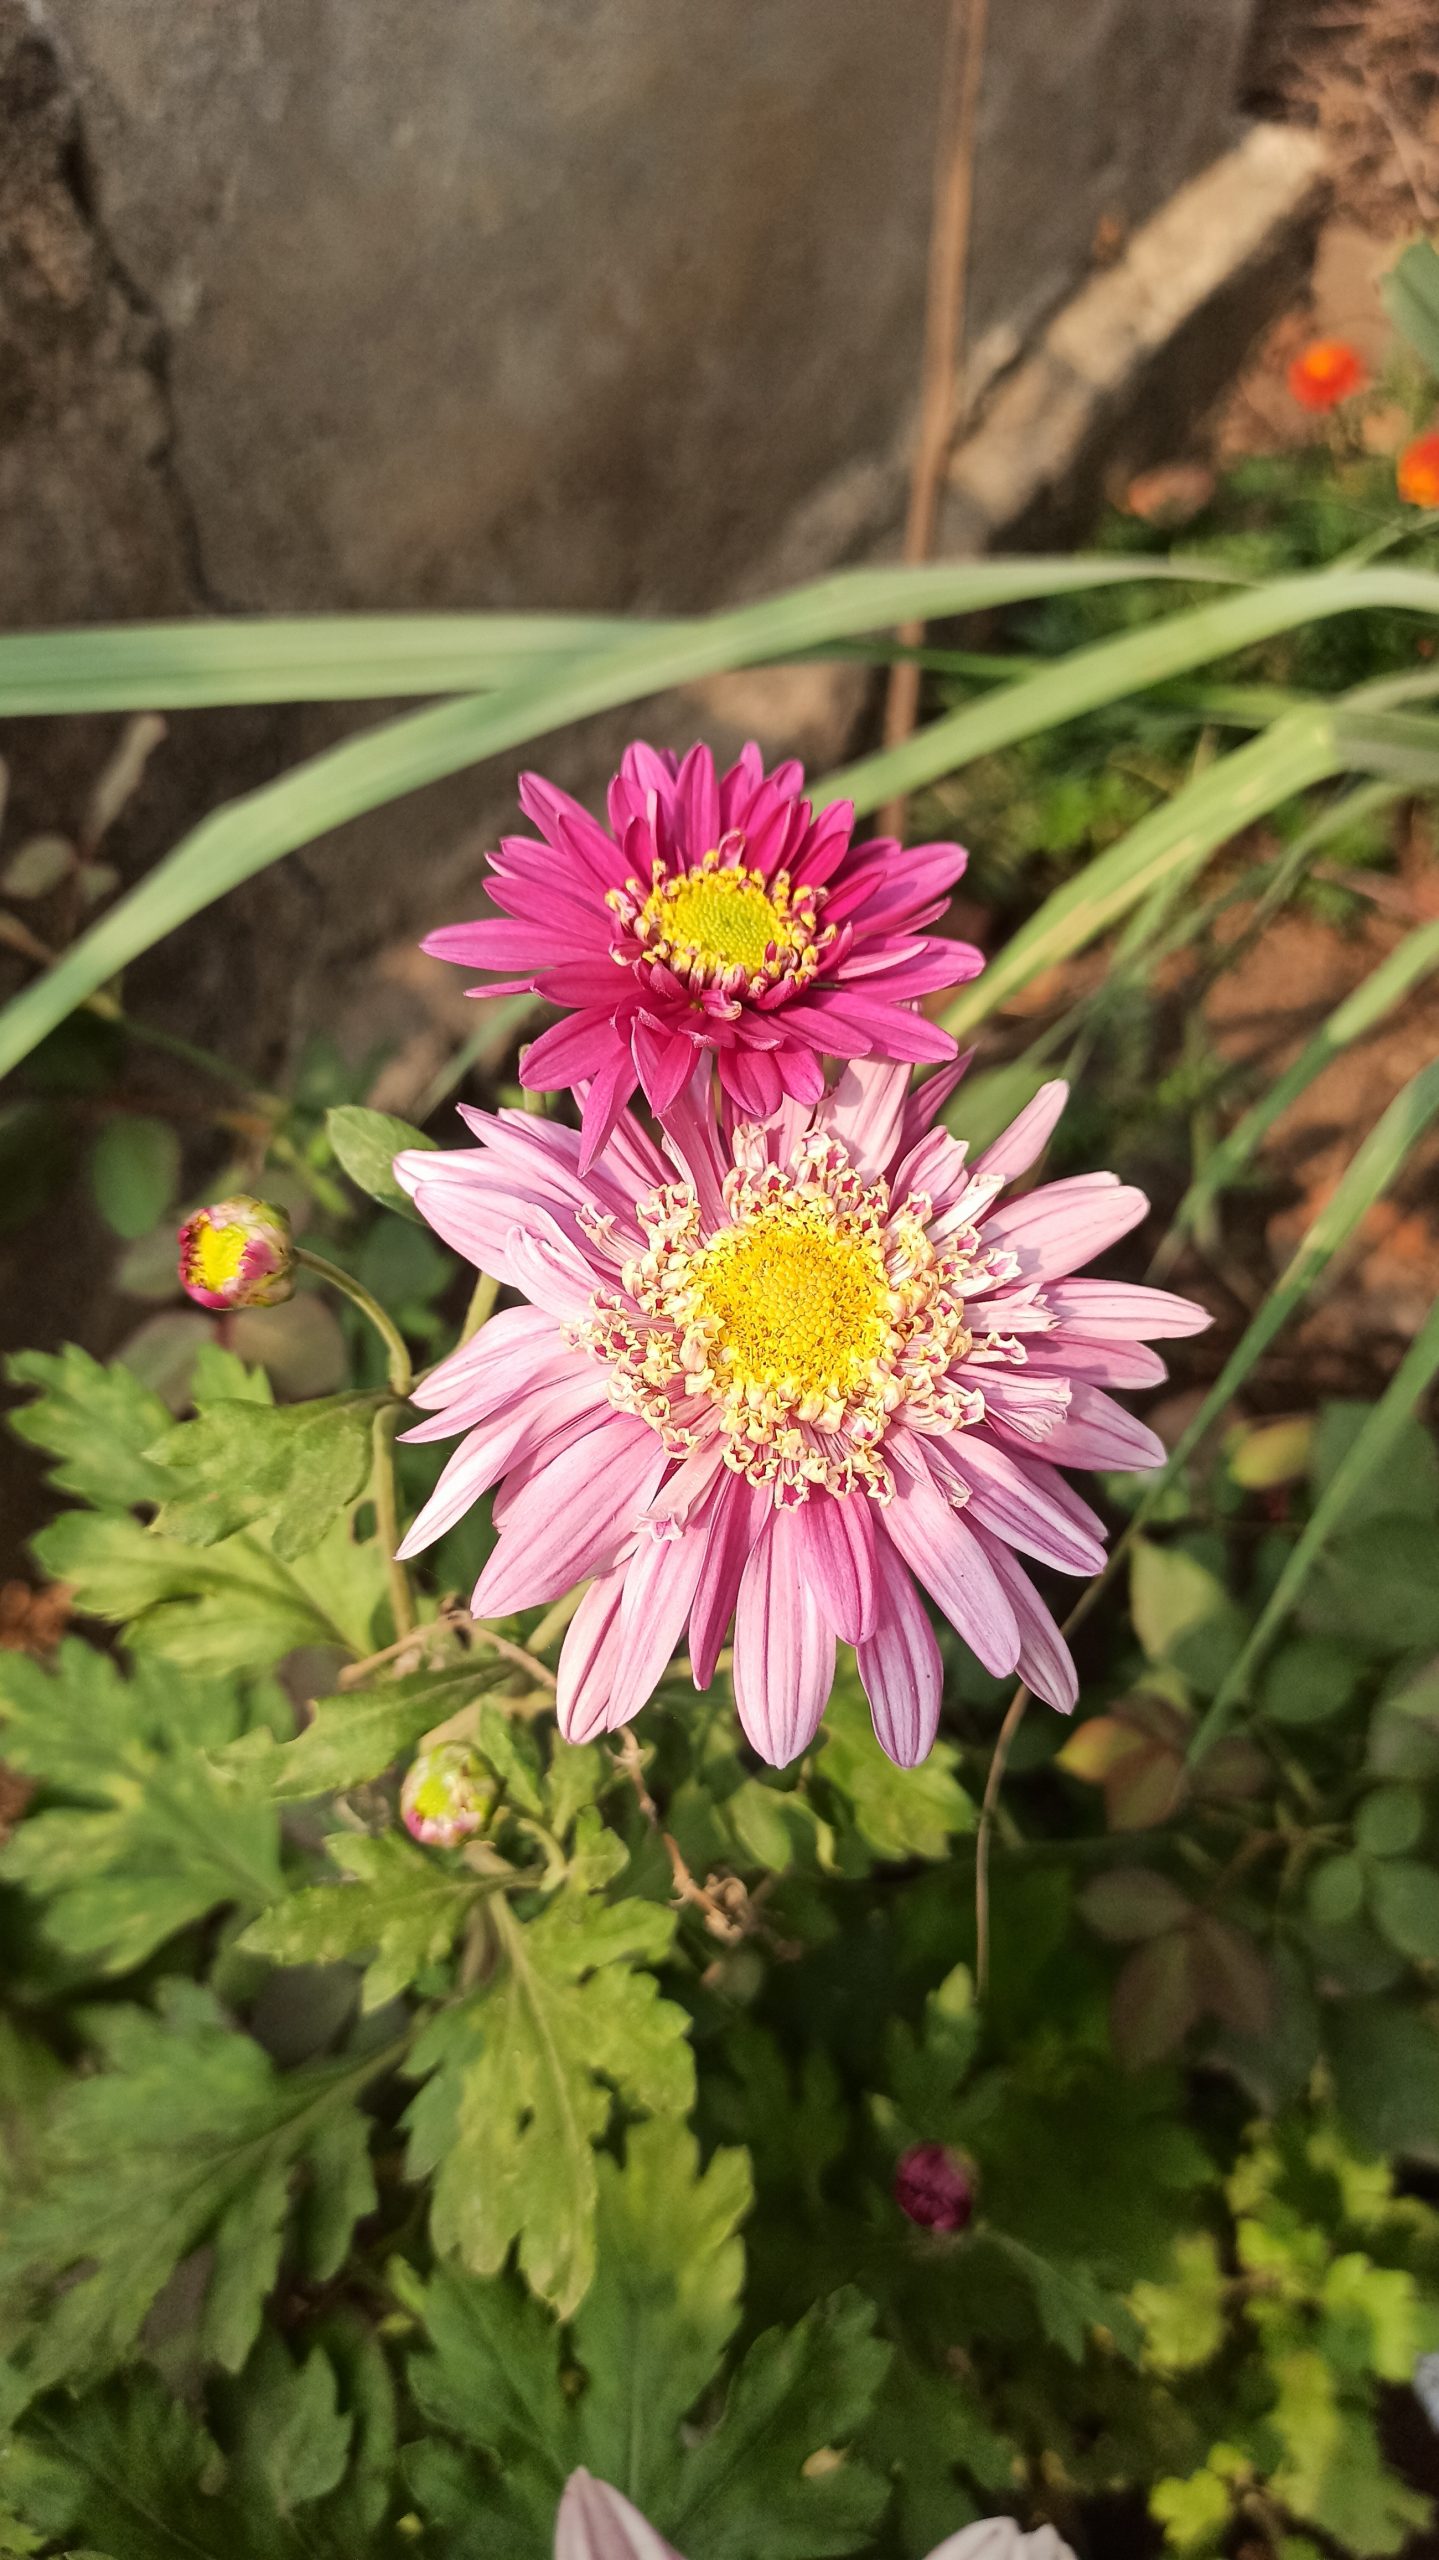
<point>238,1253</point>
<point>934,2187</point>
<point>447,1795</point>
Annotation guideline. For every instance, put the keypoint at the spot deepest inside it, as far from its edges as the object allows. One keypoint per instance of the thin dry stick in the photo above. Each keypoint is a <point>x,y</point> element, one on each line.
<point>1013,1717</point>
<point>721,1923</point>
<point>943,337</point>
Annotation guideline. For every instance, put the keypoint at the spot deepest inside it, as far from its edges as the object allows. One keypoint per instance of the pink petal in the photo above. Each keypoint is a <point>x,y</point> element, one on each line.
<point>739,1513</point>
<point>900,1665</point>
<point>572,1517</point>
<point>948,1558</point>
<point>693,1137</point>
<point>581,1046</point>
<point>783,1646</point>
<point>485,945</point>
<point>602,1099</point>
<point>589,1657</point>
<point>664,1060</point>
<point>1011,1496</point>
<point>865,1110</point>
<point>1108,1364</point>
<point>504,1349</point>
<point>928,1099</point>
<point>697,801</point>
<point>751,1077</point>
<point>661,1579</point>
<point>1118,1310</point>
<point>836,1541</point>
<point>1024,1141</point>
<point>1097,1432</point>
<point>1063,1224</point>
<point>490,1448</point>
<point>1045,1664</point>
<point>596,2523</point>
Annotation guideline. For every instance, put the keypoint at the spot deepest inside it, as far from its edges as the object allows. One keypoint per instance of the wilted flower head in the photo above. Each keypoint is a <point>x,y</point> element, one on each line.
<point>783,1376</point>
<point>1325,372</point>
<point>238,1253</point>
<point>596,2523</point>
<point>934,2187</point>
<point>447,1794</point>
<point>1417,471</point>
<point>717,914</point>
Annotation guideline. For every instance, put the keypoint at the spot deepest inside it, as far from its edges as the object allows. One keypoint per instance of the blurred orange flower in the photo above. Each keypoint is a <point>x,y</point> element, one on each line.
<point>1325,372</point>
<point>1418,471</point>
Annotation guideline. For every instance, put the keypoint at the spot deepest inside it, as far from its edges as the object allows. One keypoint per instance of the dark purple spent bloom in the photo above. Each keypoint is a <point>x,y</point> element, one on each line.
<point>934,2187</point>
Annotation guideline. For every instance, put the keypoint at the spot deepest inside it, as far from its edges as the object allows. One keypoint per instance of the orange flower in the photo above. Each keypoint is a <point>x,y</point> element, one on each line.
<point>1418,471</point>
<point>1325,372</point>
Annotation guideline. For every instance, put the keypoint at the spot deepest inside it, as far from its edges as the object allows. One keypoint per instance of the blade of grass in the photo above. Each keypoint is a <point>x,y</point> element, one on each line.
<point>1366,1453</point>
<point>1412,959</point>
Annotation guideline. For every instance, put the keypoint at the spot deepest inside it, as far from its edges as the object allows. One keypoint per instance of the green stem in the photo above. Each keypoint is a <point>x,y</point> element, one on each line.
<point>402,1376</point>
<point>387,1519</point>
<point>481,1306</point>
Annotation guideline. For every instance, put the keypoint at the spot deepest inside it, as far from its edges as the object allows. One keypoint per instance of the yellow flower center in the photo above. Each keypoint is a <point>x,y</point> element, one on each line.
<point>721,916</point>
<point>219,1252</point>
<point>800,1304</point>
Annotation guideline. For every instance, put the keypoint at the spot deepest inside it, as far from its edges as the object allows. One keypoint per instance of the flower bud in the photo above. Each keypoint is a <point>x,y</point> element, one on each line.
<point>934,2187</point>
<point>447,1795</point>
<point>238,1253</point>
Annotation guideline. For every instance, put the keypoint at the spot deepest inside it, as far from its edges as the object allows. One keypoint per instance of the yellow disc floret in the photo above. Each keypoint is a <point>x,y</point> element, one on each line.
<point>799,1304</point>
<point>219,1252</point>
<point>721,917</point>
<point>721,926</point>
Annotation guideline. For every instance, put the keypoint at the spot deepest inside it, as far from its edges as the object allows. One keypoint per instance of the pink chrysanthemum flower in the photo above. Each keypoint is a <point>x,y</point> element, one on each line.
<point>782,1378</point>
<point>596,2522</point>
<point>718,914</point>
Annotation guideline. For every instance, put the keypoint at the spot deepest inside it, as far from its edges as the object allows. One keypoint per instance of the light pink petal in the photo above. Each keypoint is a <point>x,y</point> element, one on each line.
<point>552,1274</point>
<point>999,2538</point>
<point>1097,1432</point>
<point>900,1665</point>
<point>572,1518</point>
<point>1063,1224</point>
<point>1015,1498</point>
<point>491,1447</point>
<point>632,1157</point>
<point>865,1110</point>
<point>1022,1404</point>
<point>596,2523</point>
<point>1045,1663</point>
<point>783,1646</point>
<point>739,1513</point>
<point>1108,1364</point>
<point>835,1541</point>
<point>682,1493</point>
<point>1123,1311</point>
<point>503,1349</point>
<point>588,1659</point>
<point>928,1099</point>
<point>1024,1141</point>
<point>661,1579</point>
<point>948,1558</point>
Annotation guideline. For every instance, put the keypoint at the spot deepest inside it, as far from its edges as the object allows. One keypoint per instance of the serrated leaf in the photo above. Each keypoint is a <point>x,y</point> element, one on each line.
<point>367,1143</point>
<point>96,1420</point>
<point>1071,2304</point>
<point>663,2306</point>
<point>1183,2318</point>
<point>363,1732</point>
<point>297,1466</point>
<point>898,1813</point>
<point>233,1607</point>
<point>490,2377</point>
<point>404,1905</point>
<point>522,2074</point>
<point>1133,1902</point>
<point>134,1172</point>
<point>152,1837</point>
<point>187,2136</point>
<point>745,2489</point>
<point>292,2437</point>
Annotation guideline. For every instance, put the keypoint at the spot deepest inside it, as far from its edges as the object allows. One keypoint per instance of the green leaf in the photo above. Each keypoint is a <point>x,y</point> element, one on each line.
<point>897,1813</point>
<point>1389,1821</point>
<point>234,1607</point>
<point>1410,293</point>
<point>490,2378</point>
<point>1404,1897</point>
<point>522,2074</point>
<point>1335,1892</point>
<point>367,1143</point>
<point>187,2136</point>
<point>1404,1731</point>
<point>1333,2473</point>
<point>1385,2060</point>
<point>296,1466</point>
<point>1183,2319</point>
<point>1070,2303</point>
<point>663,2306</point>
<point>135,1172</point>
<point>120,2473</point>
<point>1309,1679</point>
<point>293,2436</point>
<point>151,1838</point>
<point>361,1733</point>
<point>404,1904</point>
<point>744,2490</point>
<point>1183,1614</point>
<point>98,1421</point>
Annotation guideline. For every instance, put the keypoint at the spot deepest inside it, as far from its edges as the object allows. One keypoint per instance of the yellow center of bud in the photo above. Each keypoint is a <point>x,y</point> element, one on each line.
<point>723,917</point>
<point>219,1252</point>
<point>800,1304</point>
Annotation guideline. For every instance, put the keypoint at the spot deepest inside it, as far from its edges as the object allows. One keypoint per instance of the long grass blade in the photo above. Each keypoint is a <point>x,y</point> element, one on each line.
<point>1364,1457</point>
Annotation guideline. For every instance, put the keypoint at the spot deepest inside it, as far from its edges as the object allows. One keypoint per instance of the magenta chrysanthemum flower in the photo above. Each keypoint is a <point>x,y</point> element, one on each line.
<point>718,914</point>
<point>782,1378</point>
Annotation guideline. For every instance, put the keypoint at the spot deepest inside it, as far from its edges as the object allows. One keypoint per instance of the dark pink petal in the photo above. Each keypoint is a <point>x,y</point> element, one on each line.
<point>596,2523</point>
<point>948,1558</point>
<point>800,1074</point>
<point>900,1665</point>
<point>567,825</point>
<point>693,1135</point>
<point>602,1098</point>
<point>944,964</point>
<point>571,1518</point>
<point>665,1061</point>
<point>751,1078</point>
<point>697,802</point>
<point>835,1540</point>
<point>504,945</point>
<point>1122,1311</point>
<point>1063,1224</point>
<point>1045,1664</point>
<point>928,1099</point>
<point>584,1046</point>
<point>1013,1497</point>
<point>891,1031</point>
<point>589,1658</point>
<point>826,845</point>
<point>1024,1141</point>
<point>738,1514</point>
<point>783,1646</point>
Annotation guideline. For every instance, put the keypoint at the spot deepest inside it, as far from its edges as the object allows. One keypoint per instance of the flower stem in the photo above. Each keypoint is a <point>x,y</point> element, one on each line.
<point>481,1306</point>
<point>402,1377</point>
<point>387,1519</point>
